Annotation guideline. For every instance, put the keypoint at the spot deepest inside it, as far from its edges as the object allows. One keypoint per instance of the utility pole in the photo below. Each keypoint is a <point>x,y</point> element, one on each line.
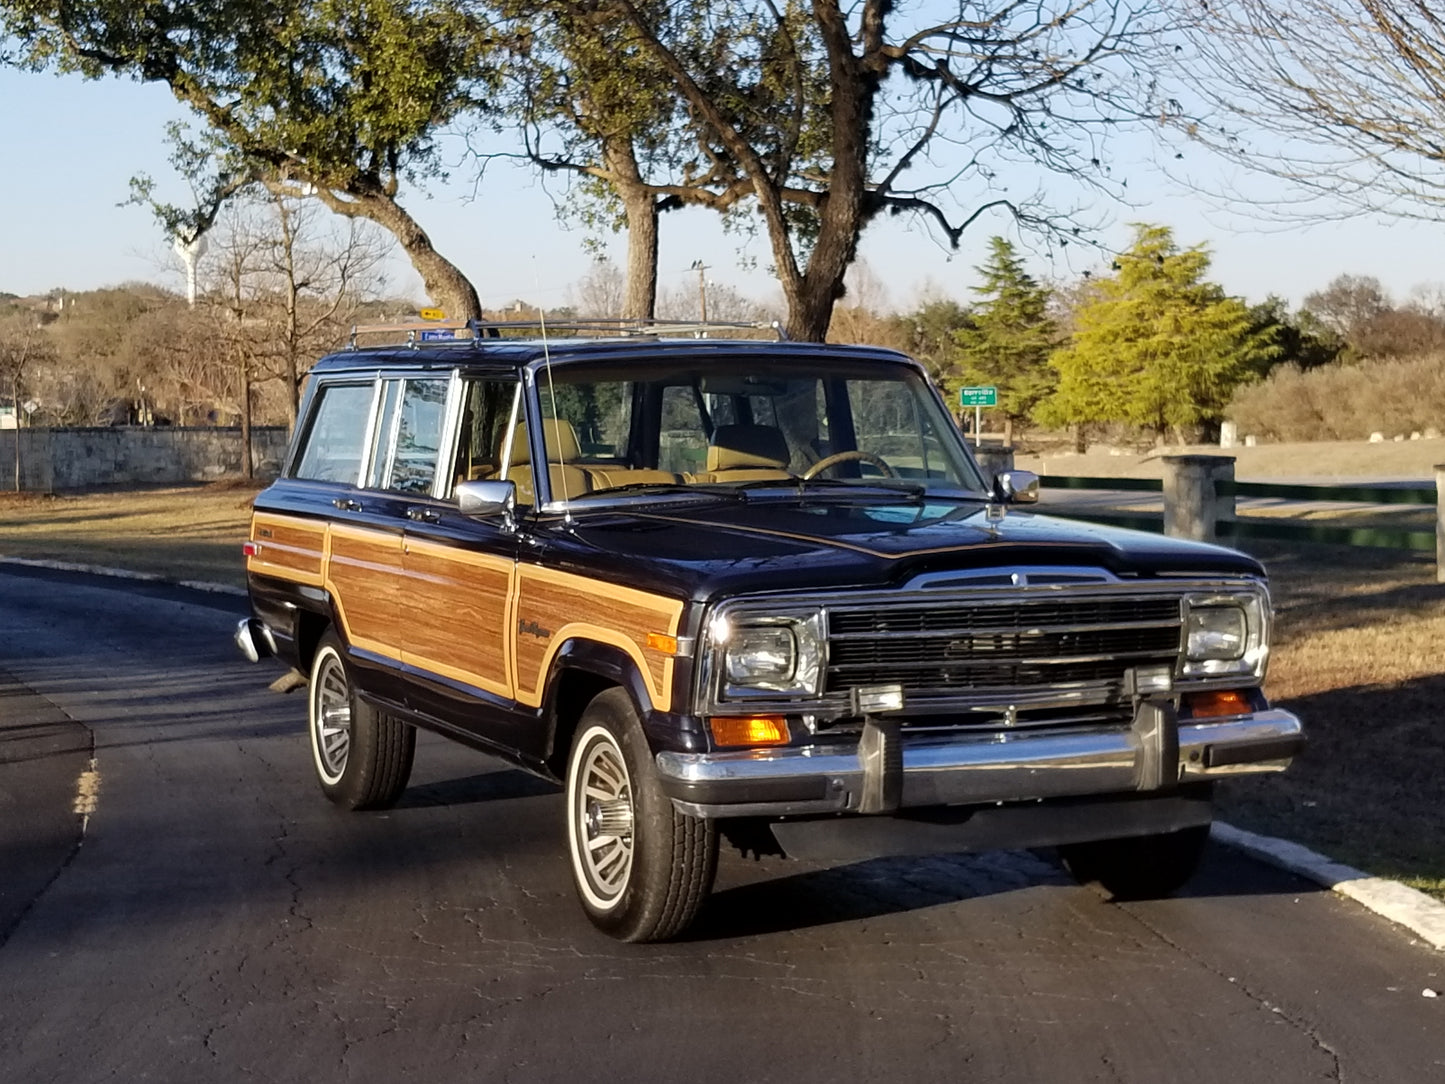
<point>701,269</point>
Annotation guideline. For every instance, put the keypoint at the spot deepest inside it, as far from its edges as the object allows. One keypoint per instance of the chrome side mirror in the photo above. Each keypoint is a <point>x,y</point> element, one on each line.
<point>1016,487</point>
<point>488,499</point>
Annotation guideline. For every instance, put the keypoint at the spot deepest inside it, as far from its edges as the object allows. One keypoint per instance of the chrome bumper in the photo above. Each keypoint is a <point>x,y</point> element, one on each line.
<point>980,768</point>
<point>253,639</point>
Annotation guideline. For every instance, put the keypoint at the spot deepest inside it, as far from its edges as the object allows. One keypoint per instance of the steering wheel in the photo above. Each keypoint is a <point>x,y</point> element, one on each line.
<point>848,457</point>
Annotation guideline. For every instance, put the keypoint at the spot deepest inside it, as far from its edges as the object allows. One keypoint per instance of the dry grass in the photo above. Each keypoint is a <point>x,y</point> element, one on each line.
<point>1357,655</point>
<point>182,533</point>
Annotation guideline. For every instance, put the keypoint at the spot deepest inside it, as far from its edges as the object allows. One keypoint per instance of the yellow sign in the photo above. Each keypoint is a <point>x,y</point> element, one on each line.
<point>433,314</point>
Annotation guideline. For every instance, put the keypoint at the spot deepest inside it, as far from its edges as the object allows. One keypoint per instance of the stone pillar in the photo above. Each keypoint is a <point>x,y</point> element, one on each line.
<point>1191,510</point>
<point>1440,522</point>
<point>993,461</point>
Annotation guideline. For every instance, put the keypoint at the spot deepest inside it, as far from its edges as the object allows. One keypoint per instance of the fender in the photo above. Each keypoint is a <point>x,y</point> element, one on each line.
<point>664,730</point>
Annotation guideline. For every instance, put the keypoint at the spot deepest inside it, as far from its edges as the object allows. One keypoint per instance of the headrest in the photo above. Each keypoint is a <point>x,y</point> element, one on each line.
<point>561,438</point>
<point>735,447</point>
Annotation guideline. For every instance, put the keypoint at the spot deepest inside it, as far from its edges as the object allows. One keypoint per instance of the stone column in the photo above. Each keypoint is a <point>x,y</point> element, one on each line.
<point>993,461</point>
<point>1191,510</point>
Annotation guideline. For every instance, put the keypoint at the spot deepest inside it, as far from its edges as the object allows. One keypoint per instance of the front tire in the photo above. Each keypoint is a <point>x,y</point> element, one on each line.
<point>362,756</point>
<point>642,869</point>
<point>1140,867</point>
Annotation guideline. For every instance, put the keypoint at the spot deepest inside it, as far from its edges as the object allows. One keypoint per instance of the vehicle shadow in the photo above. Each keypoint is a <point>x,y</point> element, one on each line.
<point>495,786</point>
<point>814,897</point>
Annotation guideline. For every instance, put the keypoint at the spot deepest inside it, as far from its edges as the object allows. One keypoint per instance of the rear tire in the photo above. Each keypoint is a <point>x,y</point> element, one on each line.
<point>362,755</point>
<point>1141,867</point>
<point>642,869</point>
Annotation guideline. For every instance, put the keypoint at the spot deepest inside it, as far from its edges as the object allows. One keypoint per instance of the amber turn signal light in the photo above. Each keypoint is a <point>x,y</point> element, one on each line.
<point>658,641</point>
<point>1218,702</point>
<point>749,730</point>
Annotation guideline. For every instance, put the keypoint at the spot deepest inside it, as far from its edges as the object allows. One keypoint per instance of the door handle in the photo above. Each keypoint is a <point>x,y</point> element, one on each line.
<point>347,504</point>
<point>423,515</point>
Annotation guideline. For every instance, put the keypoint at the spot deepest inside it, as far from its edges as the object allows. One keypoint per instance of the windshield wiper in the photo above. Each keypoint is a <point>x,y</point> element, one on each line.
<point>801,485</point>
<point>701,489</point>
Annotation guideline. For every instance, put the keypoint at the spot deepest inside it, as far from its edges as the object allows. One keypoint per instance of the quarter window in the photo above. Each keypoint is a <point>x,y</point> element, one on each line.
<point>336,435</point>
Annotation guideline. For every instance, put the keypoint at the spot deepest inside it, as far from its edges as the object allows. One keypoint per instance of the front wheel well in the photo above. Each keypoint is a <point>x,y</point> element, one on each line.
<point>572,691</point>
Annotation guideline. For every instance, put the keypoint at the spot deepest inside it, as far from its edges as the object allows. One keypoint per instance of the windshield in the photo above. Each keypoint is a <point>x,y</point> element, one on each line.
<point>752,421</point>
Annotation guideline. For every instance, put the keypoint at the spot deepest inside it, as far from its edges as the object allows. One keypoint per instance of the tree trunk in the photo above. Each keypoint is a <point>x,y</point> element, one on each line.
<point>247,471</point>
<point>640,302</point>
<point>446,286</point>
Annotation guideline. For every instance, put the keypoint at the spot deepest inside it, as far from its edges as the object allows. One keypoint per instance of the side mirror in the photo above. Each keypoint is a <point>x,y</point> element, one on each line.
<point>487,499</point>
<point>1016,487</point>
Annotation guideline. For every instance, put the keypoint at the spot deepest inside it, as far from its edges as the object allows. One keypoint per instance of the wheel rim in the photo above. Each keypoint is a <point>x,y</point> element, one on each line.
<point>602,819</point>
<point>331,717</point>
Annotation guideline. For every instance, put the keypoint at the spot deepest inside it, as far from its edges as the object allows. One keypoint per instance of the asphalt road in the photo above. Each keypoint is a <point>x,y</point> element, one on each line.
<point>219,920</point>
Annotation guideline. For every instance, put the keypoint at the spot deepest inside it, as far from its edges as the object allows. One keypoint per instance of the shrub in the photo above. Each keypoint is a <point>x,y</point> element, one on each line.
<point>1343,402</point>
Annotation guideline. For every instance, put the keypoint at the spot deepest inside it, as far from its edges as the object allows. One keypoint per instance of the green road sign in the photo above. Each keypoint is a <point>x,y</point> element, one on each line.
<point>978,397</point>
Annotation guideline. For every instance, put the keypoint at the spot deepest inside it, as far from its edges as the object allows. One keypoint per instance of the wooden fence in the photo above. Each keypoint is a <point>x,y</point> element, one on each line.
<point>1200,497</point>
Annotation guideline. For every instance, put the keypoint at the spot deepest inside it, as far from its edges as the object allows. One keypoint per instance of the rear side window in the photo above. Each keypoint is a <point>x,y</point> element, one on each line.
<point>335,437</point>
<point>418,425</point>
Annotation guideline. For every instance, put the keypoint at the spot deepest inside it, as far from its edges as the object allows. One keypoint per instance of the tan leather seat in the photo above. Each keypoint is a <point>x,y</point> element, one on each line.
<point>562,447</point>
<point>747,453</point>
<point>611,477</point>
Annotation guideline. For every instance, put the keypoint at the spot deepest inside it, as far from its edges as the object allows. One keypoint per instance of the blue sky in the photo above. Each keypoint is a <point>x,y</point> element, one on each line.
<point>71,147</point>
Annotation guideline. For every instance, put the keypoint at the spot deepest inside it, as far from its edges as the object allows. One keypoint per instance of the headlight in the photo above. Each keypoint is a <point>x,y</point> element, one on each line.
<point>766,654</point>
<point>1217,633</point>
<point>1225,635</point>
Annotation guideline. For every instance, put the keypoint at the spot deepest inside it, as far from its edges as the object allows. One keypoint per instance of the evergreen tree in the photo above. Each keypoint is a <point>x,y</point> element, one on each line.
<point>1008,342</point>
<point>1156,345</point>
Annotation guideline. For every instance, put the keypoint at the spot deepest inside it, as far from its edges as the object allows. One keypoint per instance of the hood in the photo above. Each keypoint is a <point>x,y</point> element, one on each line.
<point>703,550</point>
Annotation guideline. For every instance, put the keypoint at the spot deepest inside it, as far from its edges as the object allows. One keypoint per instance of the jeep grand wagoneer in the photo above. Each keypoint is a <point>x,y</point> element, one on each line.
<point>745,589</point>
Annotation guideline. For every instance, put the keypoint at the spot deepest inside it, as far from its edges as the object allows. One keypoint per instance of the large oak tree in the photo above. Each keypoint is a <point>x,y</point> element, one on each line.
<point>341,99</point>
<point>820,117</point>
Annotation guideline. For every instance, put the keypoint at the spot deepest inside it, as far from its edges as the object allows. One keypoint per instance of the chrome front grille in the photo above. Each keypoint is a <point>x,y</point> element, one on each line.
<point>1008,646</point>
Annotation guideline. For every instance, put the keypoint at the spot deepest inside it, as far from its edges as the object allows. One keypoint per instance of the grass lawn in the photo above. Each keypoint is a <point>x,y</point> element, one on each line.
<point>1357,655</point>
<point>181,533</point>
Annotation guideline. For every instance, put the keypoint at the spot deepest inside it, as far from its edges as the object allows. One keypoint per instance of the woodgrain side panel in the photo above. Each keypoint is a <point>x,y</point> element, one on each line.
<point>457,609</point>
<point>364,575</point>
<point>290,548</point>
<point>553,607</point>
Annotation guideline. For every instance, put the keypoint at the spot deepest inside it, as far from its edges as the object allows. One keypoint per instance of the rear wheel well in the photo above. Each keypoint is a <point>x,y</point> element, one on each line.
<point>310,627</point>
<point>572,692</point>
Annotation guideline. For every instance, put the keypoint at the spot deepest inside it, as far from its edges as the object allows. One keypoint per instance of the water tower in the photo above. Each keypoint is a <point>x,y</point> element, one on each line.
<point>190,253</point>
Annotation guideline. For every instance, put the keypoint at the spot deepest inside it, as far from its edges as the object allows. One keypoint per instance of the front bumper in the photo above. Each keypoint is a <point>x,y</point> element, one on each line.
<point>1156,754</point>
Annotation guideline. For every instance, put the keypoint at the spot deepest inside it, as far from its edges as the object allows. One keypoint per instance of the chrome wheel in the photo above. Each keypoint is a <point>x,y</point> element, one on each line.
<point>601,818</point>
<point>330,715</point>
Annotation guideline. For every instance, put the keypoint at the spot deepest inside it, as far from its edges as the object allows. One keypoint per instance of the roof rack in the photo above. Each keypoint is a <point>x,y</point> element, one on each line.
<point>421,332</point>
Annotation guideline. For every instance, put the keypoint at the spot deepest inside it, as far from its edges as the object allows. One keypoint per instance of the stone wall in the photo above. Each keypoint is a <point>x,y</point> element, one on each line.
<point>58,459</point>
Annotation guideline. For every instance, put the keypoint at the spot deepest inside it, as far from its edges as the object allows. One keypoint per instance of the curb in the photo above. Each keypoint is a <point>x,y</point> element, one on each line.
<point>125,574</point>
<point>1422,915</point>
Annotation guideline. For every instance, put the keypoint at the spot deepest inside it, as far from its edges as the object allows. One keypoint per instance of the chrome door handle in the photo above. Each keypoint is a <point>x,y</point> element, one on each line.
<point>347,504</point>
<point>423,515</point>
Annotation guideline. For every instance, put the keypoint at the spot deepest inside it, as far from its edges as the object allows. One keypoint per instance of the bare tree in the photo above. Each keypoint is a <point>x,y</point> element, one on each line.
<point>1342,99</point>
<point>285,284</point>
<point>23,344</point>
<point>822,116</point>
<point>601,293</point>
